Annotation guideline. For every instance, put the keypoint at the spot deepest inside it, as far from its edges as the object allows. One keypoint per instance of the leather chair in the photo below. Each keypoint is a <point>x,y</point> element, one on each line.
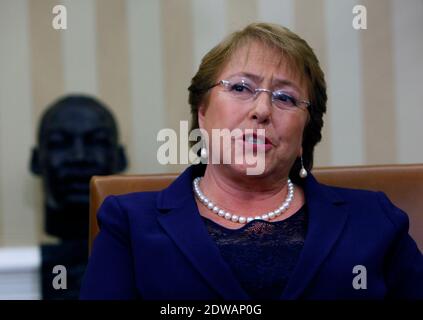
<point>403,184</point>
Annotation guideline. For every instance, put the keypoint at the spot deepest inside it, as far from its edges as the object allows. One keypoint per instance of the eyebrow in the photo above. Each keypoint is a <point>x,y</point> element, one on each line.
<point>277,81</point>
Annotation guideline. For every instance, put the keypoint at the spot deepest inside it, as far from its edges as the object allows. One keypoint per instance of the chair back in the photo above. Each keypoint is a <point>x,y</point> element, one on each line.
<point>403,184</point>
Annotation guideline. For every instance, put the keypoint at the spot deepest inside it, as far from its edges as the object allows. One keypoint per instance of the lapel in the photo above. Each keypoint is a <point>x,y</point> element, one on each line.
<point>326,219</point>
<point>180,219</point>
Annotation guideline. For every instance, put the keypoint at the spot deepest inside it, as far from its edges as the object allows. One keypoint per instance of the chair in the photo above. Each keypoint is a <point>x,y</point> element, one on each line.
<point>403,184</point>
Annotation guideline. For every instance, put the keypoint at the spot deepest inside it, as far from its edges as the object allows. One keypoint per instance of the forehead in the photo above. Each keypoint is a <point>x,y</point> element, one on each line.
<point>78,118</point>
<point>264,61</point>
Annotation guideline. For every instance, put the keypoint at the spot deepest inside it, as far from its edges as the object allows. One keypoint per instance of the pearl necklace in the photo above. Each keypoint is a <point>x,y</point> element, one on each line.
<point>237,218</point>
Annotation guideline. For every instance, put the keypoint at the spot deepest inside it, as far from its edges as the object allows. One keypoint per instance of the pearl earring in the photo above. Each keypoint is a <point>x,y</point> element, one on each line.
<point>203,152</point>
<point>303,171</point>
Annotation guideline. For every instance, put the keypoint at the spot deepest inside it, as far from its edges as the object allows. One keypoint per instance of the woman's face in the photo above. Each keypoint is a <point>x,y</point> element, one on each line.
<point>257,66</point>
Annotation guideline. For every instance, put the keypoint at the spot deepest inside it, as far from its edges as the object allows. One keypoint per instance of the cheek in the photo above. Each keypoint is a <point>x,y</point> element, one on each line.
<point>223,117</point>
<point>291,130</point>
<point>55,159</point>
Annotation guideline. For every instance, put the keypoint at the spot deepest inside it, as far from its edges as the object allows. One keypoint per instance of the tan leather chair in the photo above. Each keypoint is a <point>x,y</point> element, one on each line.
<point>403,184</point>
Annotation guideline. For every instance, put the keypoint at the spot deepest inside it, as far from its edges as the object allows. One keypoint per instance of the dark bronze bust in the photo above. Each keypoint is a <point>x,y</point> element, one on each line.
<point>77,138</point>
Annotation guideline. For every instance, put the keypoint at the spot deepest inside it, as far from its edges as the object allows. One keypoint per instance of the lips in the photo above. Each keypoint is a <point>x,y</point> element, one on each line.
<point>255,142</point>
<point>253,138</point>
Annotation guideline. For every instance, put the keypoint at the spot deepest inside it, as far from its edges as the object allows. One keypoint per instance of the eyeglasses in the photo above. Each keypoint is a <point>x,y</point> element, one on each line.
<point>245,90</point>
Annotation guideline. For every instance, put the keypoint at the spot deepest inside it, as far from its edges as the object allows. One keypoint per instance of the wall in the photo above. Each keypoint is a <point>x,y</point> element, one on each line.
<point>139,56</point>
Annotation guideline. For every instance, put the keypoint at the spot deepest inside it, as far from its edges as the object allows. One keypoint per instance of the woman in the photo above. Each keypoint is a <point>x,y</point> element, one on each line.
<point>220,233</point>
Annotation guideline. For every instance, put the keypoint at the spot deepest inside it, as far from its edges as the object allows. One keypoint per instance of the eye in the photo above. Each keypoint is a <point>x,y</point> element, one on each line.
<point>240,87</point>
<point>99,139</point>
<point>56,140</point>
<point>285,99</point>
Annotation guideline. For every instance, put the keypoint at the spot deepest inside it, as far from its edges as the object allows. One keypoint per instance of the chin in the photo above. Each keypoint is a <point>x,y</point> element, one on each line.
<point>244,169</point>
<point>76,200</point>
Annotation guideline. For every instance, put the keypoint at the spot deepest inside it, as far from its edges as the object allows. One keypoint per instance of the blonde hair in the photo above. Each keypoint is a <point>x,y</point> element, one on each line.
<point>293,49</point>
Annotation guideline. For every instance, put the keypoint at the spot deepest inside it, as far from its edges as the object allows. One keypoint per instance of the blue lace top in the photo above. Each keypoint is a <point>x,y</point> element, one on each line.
<point>262,254</point>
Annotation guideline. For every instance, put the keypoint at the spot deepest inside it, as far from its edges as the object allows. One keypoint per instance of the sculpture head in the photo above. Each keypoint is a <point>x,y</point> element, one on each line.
<point>77,138</point>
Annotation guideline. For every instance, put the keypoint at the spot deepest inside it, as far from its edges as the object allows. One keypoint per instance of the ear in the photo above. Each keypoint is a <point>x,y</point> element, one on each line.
<point>201,115</point>
<point>35,165</point>
<point>122,160</point>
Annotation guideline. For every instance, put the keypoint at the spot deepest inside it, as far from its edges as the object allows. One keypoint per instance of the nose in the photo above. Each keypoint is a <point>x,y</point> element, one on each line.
<point>79,152</point>
<point>262,109</point>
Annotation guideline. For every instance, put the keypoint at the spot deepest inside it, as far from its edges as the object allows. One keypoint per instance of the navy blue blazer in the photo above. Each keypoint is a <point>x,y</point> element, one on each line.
<point>155,245</point>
